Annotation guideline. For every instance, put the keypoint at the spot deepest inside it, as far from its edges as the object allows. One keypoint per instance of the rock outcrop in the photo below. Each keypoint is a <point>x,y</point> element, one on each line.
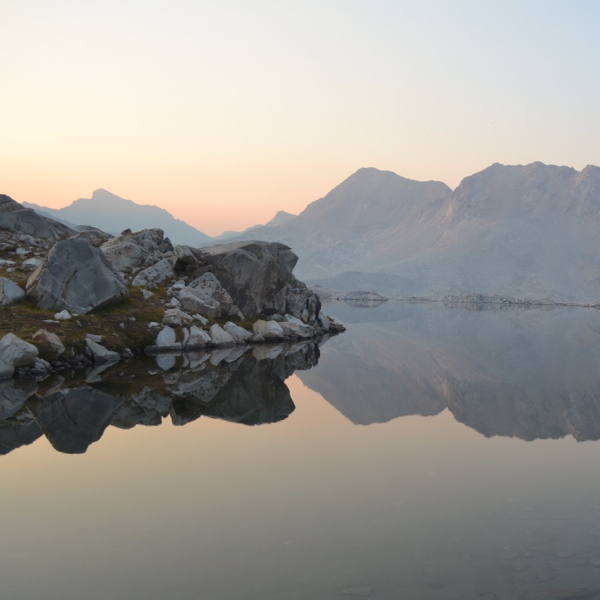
<point>16,218</point>
<point>77,277</point>
<point>130,252</point>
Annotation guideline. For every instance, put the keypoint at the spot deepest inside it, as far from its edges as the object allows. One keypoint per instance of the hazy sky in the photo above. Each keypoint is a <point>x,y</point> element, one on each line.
<point>224,112</point>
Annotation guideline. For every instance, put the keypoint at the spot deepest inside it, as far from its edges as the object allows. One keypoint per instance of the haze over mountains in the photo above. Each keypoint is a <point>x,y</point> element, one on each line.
<point>523,232</point>
<point>113,214</point>
<point>520,232</point>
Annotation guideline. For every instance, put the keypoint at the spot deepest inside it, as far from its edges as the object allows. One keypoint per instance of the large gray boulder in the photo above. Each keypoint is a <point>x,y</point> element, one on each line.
<point>130,252</point>
<point>16,218</point>
<point>17,352</point>
<point>10,292</point>
<point>77,277</point>
<point>256,274</point>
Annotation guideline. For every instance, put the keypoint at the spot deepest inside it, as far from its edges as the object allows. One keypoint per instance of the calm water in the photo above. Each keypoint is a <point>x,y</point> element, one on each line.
<point>432,453</point>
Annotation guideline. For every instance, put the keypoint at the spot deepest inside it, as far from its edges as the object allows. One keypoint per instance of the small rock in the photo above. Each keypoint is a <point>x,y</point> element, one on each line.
<point>100,354</point>
<point>50,339</point>
<point>269,330</point>
<point>63,315</point>
<point>220,337</point>
<point>239,334</point>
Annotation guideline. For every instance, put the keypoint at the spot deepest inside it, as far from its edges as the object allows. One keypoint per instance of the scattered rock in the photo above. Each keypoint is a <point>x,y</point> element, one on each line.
<point>63,315</point>
<point>16,352</point>
<point>42,336</point>
<point>100,354</point>
<point>167,339</point>
<point>174,317</point>
<point>239,334</point>
<point>268,330</point>
<point>10,292</point>
<point>220,337</point>
<point>198,338</point>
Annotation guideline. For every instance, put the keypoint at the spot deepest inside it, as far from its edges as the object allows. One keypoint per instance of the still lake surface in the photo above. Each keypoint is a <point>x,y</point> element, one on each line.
<point>432,452</point>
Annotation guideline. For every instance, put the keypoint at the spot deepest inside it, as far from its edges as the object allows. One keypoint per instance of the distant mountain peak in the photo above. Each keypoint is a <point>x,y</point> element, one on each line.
<point>113,214</point>
<point>281,218</point>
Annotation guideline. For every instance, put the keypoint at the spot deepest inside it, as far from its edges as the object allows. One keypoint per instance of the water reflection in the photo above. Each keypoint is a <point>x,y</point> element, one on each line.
<point>517,372</point>
<point>73,410</point>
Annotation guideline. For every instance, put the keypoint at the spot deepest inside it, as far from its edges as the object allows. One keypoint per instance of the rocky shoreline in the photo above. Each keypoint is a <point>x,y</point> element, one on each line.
<point>75,298</point>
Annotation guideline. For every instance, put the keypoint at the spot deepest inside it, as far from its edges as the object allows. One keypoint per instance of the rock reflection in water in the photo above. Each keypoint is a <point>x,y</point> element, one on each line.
<point>518,372</point>
<point>73,412</point>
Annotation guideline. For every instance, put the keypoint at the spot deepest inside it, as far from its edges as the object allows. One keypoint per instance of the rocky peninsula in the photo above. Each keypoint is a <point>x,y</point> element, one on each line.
<point>78,297</point>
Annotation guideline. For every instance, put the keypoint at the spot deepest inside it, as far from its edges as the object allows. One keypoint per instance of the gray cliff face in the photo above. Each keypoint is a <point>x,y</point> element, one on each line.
<point>257,275</point>
<point>77,277</point>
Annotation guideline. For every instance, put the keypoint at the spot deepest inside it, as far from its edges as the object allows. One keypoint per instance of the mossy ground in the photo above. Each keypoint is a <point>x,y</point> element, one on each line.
<point>122,325</point>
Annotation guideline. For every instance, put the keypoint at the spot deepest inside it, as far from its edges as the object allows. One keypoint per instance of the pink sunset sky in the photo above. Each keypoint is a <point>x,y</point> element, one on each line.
<point>223,113</point>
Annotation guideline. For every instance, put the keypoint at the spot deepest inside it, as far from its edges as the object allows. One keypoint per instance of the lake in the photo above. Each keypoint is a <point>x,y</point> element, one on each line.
<point>430,452</point>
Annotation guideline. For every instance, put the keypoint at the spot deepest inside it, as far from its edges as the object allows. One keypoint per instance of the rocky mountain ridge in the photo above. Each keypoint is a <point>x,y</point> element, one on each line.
<point>520,233</point>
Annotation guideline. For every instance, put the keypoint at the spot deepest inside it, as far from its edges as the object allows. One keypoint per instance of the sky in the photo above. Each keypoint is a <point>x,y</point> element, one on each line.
<point>225,112</point>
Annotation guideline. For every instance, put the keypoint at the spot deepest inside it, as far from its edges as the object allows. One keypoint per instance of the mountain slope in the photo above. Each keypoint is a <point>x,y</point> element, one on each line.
<point>113,214</point>
<point>523,232</point>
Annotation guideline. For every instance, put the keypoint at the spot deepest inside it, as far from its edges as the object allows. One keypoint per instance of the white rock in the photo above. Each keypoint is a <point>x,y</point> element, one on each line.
<point>292,319</point>
<point>295,330</point>
<point>198,317</point>
<point>100,354</point>
<point>198,338</point>
<point>147,294</point>
<point>63,315</point>
<point>32,263</point>
<point>220,337</point>
<point>269,330</point>
<point>167,338</point>
<point>239,334</point>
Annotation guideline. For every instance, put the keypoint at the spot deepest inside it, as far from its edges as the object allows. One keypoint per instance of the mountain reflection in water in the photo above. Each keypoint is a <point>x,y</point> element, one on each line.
<point>73,412</point>
<point>518,372</point>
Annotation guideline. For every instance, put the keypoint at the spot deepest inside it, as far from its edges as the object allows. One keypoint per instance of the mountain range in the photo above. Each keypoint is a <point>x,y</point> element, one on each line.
<point>519,233</point>
<point>523,233</point>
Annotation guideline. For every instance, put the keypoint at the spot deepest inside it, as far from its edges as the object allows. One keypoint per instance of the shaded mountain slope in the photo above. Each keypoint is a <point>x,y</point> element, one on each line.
<point>113,214</point>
